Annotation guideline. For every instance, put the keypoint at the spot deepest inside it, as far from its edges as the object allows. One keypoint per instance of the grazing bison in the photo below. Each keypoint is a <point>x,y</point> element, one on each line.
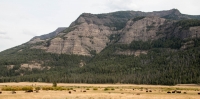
<point>0,92</point>
<point>74,90</point>
<point>178,91</point>
<point>84,90</point>
<point>13,92</point>
<point>147,91</point>
<point>174,91</point>
<point>69,92</point>
<point>168,92</point>
<point>185,92</point>
<point>28,91</point>
<point>199,93</point>
<point>150,90</point>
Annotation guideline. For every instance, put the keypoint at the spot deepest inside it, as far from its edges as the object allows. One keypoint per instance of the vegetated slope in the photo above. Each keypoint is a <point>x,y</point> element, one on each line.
<point>122,47</point>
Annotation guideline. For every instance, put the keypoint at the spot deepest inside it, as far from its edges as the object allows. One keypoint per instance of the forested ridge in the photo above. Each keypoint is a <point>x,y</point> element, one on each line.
<point>161,65</point>
<point>169,60</point>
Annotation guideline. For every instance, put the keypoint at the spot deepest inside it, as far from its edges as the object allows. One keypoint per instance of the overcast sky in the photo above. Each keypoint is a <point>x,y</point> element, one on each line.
<point>21,20</point>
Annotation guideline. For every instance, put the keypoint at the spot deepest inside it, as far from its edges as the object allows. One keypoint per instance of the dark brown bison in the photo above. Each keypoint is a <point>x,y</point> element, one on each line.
<point>199,93</point>
<point>84,90</point>
<point>178,91</point>
<point>174,91</point>
<point>69,92</point>
<point>28,91</point>
<point>168,92</point>
<point>0,92</point>
<point>138,94</point>
<point>150,90</point>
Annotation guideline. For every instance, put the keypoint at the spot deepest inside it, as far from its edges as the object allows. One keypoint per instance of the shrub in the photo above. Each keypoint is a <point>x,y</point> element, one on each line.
<point>16,88</point>
<point>87,88</point>
<point>105,89</point>
<point>69,88</point>
<point>59,88</point>
<point>37,88</point>
<point>95,88</point>
<point>27,88</point>
<point>112,88</point>
<point>47,88</point>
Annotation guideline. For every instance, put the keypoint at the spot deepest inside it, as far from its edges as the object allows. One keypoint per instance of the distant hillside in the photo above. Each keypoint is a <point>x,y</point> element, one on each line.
<point>160,47</point>
<point>47,36</point>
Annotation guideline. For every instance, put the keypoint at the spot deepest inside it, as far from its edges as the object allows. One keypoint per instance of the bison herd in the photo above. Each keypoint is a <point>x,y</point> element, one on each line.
<point>29,91</point>
<point>75,91</point>
<point>175,91</point>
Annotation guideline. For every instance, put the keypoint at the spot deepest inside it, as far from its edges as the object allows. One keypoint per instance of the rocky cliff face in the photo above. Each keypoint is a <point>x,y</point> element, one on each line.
<point>90,33</point>
<point>144,29</point>
<point>85,37</point>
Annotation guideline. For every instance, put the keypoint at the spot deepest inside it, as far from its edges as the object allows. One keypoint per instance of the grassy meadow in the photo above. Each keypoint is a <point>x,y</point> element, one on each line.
<point>96,91</point>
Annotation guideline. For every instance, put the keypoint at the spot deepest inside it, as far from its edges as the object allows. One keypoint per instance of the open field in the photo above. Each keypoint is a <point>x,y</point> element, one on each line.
<point>100,91</point>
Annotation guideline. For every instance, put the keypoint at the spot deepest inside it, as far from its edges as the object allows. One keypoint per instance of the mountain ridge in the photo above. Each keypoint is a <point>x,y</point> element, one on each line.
<point>161,47</point>
<point>91,32</point>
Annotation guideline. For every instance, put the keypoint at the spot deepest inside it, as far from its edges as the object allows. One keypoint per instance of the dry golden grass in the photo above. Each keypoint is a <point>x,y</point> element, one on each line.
<point>97,91</point>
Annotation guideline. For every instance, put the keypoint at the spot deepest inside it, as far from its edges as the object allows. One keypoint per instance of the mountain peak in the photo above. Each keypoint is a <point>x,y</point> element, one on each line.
<point>175,11</point>
<point>47,36</point>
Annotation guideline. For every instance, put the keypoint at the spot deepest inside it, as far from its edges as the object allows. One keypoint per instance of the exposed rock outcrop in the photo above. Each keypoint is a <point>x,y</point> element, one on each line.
<point>144,29</point>
<point>83,39</point>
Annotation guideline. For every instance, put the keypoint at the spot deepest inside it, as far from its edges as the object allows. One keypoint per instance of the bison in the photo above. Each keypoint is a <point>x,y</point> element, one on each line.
<point>28,91</point>
<point>69,92</point>
<point>168,92</point>
<point>138,94</point>
<point>178,91</point>
<point>84,90</point>
<point>0,92</point>
<point>199,93</point>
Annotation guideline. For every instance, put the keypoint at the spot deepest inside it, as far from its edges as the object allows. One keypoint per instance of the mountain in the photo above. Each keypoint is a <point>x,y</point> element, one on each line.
<point>47,36</point>
<point>92,32</point>
<point>160,47</point>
